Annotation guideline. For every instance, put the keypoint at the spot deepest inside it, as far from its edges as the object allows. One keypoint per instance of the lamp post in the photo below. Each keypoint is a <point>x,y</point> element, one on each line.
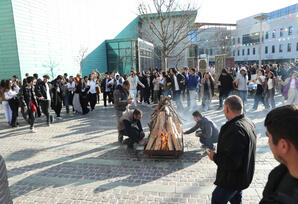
<point>261,18</point>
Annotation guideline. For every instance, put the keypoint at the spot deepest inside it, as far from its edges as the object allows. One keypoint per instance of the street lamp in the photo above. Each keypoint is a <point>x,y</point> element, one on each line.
<point>261,17</point>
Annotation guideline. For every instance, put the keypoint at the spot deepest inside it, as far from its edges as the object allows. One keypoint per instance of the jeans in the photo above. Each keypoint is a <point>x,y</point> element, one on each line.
<point>258,98</point>
<point>243,96</point>
<point>193,101</point>
<point>177,99</point>
<point>270,97</point>
<point>223,196</point>
<point>66,102</point>
<point>166,93</point>
<point>45,106</point>
<point>222,97</point>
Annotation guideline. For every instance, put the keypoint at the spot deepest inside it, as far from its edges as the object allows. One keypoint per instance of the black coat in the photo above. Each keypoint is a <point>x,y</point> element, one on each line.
<point>27,94</point>
<point>57,96</point>
<point>226,84</point>
<point>272,194</point>
<point>103,85</point>
<point>235,157</point>
<point>180,80</point>
<point>41,90</point>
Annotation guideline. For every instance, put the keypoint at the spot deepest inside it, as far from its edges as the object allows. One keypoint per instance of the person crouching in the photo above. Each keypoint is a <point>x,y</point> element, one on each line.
<point>208,130</point>
<point>130,125</point>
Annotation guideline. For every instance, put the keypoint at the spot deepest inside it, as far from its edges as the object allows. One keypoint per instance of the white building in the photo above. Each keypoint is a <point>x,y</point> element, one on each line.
<point>280,37</point>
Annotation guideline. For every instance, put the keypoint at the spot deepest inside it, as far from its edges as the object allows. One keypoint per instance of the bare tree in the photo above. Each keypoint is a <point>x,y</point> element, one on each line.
<point>224,41</point>
<point>80,58</point>
<point>167,24</point>
<point>51,65</point>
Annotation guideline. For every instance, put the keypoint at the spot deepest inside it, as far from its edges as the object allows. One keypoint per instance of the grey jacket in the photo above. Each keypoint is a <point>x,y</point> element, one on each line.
<point>126,121</point>
<point>120,98</point>
<point>208,127</point>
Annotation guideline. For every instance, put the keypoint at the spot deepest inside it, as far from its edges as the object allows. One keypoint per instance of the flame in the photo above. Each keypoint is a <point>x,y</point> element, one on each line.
<point>164,140</point>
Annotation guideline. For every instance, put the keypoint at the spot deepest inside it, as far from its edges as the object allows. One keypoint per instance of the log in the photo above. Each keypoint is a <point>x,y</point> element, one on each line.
<point>161,123</point>
<point>171,131</point>
<point>156,130</point>
<point>170,143</point>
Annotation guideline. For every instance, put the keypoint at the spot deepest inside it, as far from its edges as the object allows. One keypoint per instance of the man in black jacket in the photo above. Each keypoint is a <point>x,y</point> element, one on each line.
<point>57,96</point>
<point>235,157</point>
<point>29,102</point>
<point>105,88</point>
<point>209,132</point>
<point>225,86</point>
<point>121,102</point>
<point>177,81</point>
<point>43,93</point>
<point>282,129</point>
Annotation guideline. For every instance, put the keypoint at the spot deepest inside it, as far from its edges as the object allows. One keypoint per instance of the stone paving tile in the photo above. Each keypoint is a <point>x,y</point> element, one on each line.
<point>78,160</point>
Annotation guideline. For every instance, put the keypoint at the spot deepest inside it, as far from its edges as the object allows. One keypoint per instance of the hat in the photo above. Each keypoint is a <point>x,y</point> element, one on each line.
<point>242,69</point>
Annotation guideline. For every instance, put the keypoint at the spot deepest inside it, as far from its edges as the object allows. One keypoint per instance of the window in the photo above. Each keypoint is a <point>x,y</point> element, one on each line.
<point>234,53</point>
<point>290,30</point>
<point>254,51</point>
<point>238,40</point>
<point>266,50</point>
<point>280,48</point>
<point>281,32</point>
<point>267,35</point>
<point>273,49</point>
<point>248,51</point>
<point>243,52</point>
<point>238,52</point>
<point>273,33</point>
<point>289,47</point>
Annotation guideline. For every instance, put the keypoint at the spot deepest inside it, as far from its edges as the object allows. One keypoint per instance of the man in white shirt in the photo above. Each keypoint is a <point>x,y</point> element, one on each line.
<point>43,94</point>
<point>92,91</point>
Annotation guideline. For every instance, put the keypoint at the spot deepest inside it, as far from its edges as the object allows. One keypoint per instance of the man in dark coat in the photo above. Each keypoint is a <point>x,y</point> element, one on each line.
<point>57,96</point>
<point>208,131</point>
<point>105,88</point>
<point>282,128</point>
<point>121,102</point>
<point>177,82</point>
<point>235,156</point>
<point>43,93</point>
<point>225,86</point>
<point>29,102</point>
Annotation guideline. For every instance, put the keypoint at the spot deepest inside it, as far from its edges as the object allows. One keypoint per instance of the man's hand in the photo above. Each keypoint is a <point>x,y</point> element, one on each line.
<point>129,101</point>
<point>210,154</point>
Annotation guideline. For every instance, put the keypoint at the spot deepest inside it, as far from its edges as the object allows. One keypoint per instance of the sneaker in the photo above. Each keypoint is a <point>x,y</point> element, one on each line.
<point>33,130</point>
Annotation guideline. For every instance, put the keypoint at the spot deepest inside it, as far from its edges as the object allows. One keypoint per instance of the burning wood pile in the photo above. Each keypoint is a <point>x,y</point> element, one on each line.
<point>166,136</point>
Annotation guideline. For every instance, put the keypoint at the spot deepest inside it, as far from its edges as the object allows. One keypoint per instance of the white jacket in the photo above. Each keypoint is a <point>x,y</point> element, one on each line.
<point>134,81</point>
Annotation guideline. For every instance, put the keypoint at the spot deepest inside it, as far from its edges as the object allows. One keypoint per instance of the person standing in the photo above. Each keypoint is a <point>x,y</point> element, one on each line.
<point>260,90</point>
<point>235,156</point>
<point>43,94</point>
<point>225,86</point>
<point>177,81</point>
<point>281,129</point>
<point>92,91</point>
<point>184,88</point>
<point>121,101</point>
<point>57,96</point>
<point>83,91</point>
<point>241,84</point>
<point>207,90</point>
<point>11,91</point>
<point>208,133</point>
<point>5,104</point>
<point>71,86</point>
<point>76,97</point>
<point>105,89</point>
<point>29,102</point>
<point>269,89</point>
<point>134,82</point>
<point>191,82</point>
<point>156,87</point>
<point>291,89</point>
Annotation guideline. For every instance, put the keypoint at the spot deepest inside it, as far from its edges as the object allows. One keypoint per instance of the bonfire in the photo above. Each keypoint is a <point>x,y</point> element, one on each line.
<point>166,136</point>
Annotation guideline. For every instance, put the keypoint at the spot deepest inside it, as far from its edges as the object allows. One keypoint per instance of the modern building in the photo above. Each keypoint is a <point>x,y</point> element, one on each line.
<point>36,37</point>
<point>133,47</point>
<point>280,37</point>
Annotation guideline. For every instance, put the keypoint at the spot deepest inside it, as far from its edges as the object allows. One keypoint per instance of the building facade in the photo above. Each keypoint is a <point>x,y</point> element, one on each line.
<point>279,42</point>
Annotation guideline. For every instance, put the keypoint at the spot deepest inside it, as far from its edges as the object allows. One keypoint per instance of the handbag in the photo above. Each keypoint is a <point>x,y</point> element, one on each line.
<point>33,107</point>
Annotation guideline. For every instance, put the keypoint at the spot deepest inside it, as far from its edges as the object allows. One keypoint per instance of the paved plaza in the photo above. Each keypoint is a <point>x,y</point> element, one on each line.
<point>78,160</point>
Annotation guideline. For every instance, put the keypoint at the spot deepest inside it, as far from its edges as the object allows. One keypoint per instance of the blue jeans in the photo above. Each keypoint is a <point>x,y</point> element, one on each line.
<point>243,96</point>
<point>223,196</point>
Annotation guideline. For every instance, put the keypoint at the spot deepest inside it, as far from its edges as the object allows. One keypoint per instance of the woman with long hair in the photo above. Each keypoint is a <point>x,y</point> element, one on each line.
<point>6,107</point>
<point>76,97</point>
<point>10,92</point>
<point>207,90</point>
<point>259,96</point>
<point>270,85</point>
<point>156,82</point>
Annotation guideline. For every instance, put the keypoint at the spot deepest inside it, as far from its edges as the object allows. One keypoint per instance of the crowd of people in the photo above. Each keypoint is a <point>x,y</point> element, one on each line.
<point>34,96</point>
